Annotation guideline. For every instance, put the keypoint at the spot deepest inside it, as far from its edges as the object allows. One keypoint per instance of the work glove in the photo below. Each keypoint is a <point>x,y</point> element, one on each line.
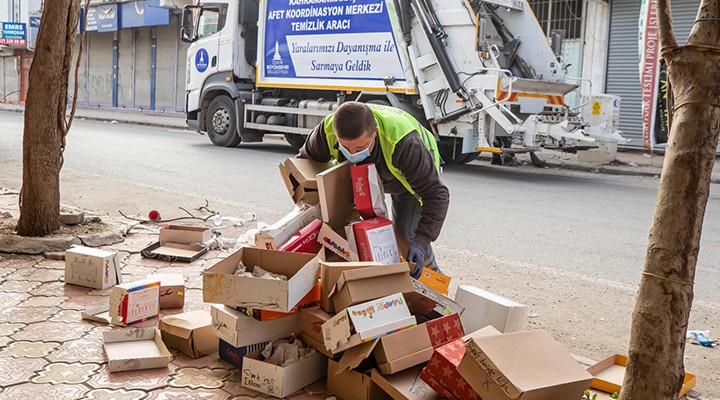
<point>417,254</point>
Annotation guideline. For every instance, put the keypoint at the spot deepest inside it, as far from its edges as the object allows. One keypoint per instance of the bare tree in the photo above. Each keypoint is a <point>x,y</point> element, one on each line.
<point>659,322</point>
<point>45,125</point>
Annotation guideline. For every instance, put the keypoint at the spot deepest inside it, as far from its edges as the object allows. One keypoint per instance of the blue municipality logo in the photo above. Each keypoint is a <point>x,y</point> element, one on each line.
<point>201,60</point>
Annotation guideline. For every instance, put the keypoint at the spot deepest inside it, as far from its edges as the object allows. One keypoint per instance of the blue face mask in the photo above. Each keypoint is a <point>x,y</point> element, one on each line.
<point>354,158</point>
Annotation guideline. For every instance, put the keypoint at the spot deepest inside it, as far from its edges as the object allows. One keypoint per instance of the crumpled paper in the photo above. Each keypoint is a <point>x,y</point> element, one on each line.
<point>257,272</point>
<point>284,353</point>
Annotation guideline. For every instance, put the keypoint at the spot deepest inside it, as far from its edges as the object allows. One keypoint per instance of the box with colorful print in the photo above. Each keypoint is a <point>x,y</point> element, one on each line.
<point>274,236</point>
<point>263,279</point>
<point>305,240</point>
<point>364,322</point>
<point>90,267</point>
<point>376,241</point>
<point>129,350</point>
<point>135,302</point>
<point>191,332</point>
<point>441,372</point>
<point>337,243</point>
<point>368,191</point>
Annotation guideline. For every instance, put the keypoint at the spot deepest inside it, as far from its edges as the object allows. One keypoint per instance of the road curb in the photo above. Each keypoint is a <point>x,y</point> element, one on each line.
<point>598,169</point>
<point>21,110</point>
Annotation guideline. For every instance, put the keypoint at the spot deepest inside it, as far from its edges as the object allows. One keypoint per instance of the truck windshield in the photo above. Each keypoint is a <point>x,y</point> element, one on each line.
<point>211,20</point>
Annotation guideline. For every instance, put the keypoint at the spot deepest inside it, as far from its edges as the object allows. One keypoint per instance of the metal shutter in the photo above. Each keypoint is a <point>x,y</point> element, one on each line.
<point>623,78</point>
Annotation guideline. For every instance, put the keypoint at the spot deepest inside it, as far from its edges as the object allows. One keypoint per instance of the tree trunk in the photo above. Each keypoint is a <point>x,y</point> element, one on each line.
<point>655,368</point>
<point>45,126</point>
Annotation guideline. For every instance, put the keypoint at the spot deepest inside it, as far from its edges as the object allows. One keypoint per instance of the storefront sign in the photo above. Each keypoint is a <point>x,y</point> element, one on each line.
<point>143,13</point>
<point>13,33</point>
<point>103,18</point>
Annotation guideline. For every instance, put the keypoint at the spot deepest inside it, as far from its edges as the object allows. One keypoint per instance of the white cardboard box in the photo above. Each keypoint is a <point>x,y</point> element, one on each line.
<point>483,308</point>
<point>134,349</point>
<point>90,267</point>
<point>370,320</point>
<point>134,302</point>
<point>240,330</point>
<point>280,381</point>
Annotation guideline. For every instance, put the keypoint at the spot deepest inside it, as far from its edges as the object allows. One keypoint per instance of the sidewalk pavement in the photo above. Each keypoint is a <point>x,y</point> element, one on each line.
<point>630,162</point>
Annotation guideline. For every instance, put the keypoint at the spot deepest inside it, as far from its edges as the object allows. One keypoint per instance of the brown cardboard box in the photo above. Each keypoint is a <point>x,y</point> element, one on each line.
<point>352,385</point>
<point>90,267</point>
<point>360,285</point>
<point>299,176</point>
<point>405,385</point>
<point>523,366</point>
<point>329,275</point>
<point>129,350</point>
<point>431,304</point>
<point>192,333</point>
<point>172,289</point>
<point>179,243</point>
<point>337,243</point>
<point>336,196</point>
<point>277,234</point>
<point>220,286</point>
<point>280,381</point>
<point>311,320</point>
<point>414,346</point>
<point>609,373</point>
<point>240,330</point>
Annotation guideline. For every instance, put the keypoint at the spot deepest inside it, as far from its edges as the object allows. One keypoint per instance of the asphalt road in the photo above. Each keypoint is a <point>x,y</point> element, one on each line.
<point>578,224</point>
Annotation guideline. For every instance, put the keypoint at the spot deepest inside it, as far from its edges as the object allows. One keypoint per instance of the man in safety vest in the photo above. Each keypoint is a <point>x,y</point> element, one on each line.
<point>407,160</point>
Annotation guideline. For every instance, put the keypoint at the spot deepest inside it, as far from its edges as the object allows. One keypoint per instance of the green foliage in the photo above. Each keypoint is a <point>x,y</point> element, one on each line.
<point>586,396</point>
<point>615,395</point>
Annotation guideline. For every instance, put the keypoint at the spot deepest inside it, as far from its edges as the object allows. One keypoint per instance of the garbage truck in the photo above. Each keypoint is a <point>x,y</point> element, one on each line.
<point>480,74</point>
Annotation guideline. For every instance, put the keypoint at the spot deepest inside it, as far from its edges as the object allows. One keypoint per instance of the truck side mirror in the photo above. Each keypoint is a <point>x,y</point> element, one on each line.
<point>187,30</point>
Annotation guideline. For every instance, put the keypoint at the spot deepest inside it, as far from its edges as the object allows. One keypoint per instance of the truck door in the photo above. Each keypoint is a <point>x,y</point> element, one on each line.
<point>204,50</point>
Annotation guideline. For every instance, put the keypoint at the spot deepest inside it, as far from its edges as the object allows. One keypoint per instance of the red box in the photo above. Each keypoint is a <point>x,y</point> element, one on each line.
<point>436,386</point>
<point>442,372</point>
<point>305,241</point>
<point>368,191</point>
<point>445,329</point>
<point>312,299</point>
<point>376,241</point>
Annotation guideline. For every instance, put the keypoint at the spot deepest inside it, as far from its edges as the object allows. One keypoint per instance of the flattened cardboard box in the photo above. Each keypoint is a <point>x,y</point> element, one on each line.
<point>134,302</point>
<point>235,355</point>
<point>277,234</point>
<point>178,243</point>
<point>192,333</point>
<point>336,196</point>
<point>405,385</point>
<point>90,267</point>
<point>485,308</point>
<point>524,365</point>
<point>364,284</point>
<point>367,321</point>
<point>240,330</point>
<point>280,381</point>
<point>221,286</point>
<point>129,350</point>
<point>609,373</point>
<point>330,273</point>
<point>172,289</point>
<point>441,373</point>
<point>299,176</point>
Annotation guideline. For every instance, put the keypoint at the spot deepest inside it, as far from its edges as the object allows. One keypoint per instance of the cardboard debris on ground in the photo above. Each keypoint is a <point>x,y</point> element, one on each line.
<point>352,385</point>
<point>274,236</point>
<point>90,267</point>
<point>192,333</point>
<point>221,286</point>
<point>431,304</point>
<point>172,289</point>
<point>99,314</point>
<point>522,365</point>
<point>240,330</point>
<point>484,308</point>
<point>134,302</point>
<point>357,286</point>
<point>405,385</point>
<point>179,243</point>
<point>128,350</point>
<point>609,373</point>
<point>299,176</point>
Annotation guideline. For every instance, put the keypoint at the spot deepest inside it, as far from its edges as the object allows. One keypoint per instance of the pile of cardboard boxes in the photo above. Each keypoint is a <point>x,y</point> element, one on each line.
<point>326,290</point>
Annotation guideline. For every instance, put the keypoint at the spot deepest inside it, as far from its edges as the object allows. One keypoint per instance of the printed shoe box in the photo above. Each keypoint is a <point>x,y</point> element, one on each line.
<point>91,267</point>
<point>134,302</point>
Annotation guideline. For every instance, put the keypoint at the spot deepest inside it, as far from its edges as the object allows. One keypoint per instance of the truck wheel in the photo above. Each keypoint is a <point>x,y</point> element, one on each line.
<point>220,122</point>
<point>296,141</point>
<point>445,147</point>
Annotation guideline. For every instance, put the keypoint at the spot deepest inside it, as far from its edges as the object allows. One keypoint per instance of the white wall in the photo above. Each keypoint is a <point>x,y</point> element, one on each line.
<point>596,42</point>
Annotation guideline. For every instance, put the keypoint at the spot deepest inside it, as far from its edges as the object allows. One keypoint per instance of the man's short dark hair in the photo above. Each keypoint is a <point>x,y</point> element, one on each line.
<point>352,120</point>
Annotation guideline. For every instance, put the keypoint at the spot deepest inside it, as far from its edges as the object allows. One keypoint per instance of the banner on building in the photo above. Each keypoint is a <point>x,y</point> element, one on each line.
<point>102,18</point>
<point>143,13</point>
<point>13,34</point>
<point>649,68</point>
